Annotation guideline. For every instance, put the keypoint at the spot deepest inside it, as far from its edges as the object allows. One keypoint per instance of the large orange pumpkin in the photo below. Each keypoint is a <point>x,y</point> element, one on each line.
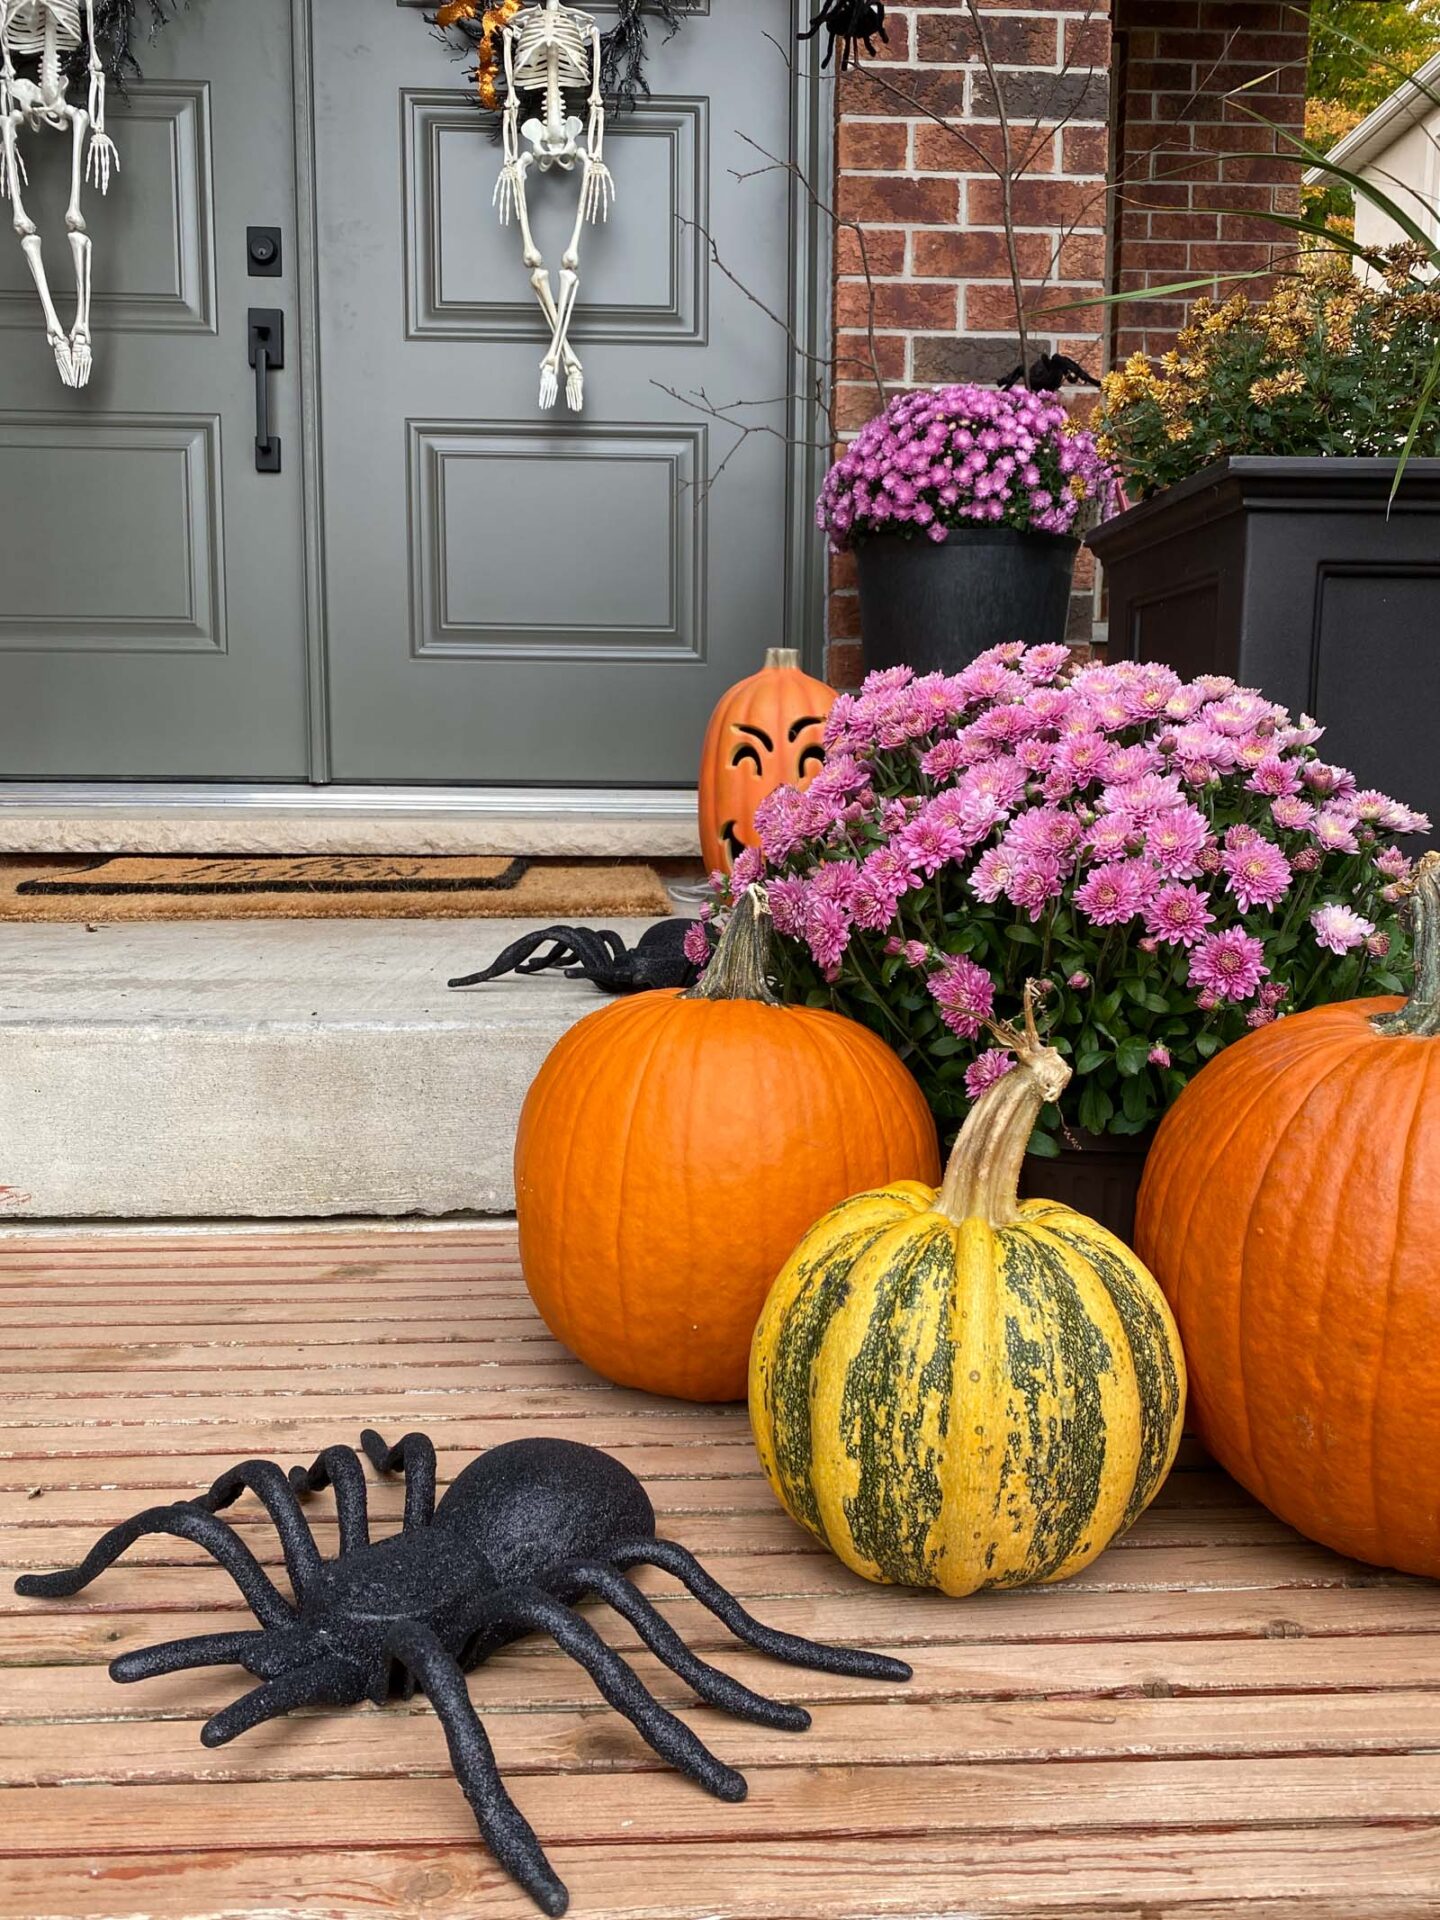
<point>1291,1212</point>
<point>673,1149</point>
<point>765,733</point>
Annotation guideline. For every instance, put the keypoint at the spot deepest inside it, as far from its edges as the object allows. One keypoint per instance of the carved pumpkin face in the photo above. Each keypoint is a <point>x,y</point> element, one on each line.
<point>767,732</point>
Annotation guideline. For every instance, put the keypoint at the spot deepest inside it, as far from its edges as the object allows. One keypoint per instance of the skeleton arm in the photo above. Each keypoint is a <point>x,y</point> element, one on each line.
<point>102,159</point>
<point>598,189</point>
<point>507,187</point>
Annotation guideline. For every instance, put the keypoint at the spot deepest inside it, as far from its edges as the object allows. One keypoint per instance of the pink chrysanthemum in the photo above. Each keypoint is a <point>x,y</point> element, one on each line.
<point>982,1073</point>
<point>1115,892</point>
<point>1228,965</point>
<point>1175,840</point>
<point>1256,871</point>
<point>1179,916</point>
<point>1340,929</point>
<point>964,994</point>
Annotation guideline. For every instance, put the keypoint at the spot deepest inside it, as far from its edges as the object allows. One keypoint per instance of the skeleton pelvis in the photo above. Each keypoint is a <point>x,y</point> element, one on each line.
<point>556,145</point>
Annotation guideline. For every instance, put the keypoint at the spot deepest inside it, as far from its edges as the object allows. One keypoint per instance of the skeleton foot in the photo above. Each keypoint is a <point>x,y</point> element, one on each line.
<point>81,361</point>
<point>574,385</point>
<point>549,382</point>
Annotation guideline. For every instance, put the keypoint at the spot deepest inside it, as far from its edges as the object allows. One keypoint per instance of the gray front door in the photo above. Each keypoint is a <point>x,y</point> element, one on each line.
<point>521,596</point>
<point>152,589</point>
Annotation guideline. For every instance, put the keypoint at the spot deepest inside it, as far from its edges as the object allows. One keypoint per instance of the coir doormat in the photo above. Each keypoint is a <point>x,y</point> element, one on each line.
<point>324,886</point>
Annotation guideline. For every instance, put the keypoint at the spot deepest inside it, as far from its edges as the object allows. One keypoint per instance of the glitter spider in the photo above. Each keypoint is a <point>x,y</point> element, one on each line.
<point>522,1534</point>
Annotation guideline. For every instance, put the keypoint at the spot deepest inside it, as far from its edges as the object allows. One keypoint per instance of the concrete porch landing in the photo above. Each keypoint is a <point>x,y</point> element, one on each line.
<point>266,1069</point>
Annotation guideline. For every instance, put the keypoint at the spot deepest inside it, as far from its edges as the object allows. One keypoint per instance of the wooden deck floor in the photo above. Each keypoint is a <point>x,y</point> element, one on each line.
<point>1216,1719</point>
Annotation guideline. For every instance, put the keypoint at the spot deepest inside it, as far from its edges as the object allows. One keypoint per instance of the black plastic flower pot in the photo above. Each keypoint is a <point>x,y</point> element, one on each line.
<point>935,605</point>
<point>1099,1176</point>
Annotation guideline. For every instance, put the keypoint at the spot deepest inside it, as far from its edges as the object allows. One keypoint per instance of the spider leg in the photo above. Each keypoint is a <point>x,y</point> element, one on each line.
<point>715,1688</point>
<point>331,1681</point>
<point>338,1467</point>
<point>270,1486</point>
<point>415,1453</point>
<point>620,1685</point>
<point>503,1828</point>
<point>260,1652</point>
<point>672,1558</point>
<point>187,1522</point>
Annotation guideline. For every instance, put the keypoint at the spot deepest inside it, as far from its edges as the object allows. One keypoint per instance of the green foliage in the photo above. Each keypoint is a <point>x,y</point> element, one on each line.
<point>1328,365</point>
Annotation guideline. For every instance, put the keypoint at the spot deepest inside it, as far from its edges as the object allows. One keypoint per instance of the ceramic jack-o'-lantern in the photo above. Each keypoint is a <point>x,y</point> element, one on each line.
<point>767,732</point>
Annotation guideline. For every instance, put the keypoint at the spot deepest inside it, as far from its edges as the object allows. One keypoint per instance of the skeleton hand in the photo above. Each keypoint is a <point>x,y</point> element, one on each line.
<point>597,191</point>
<point>101,161</point>
<point>507,191</point>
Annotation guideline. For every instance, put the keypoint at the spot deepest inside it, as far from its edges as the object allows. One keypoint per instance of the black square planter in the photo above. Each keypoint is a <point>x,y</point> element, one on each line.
<point>1290,575</point>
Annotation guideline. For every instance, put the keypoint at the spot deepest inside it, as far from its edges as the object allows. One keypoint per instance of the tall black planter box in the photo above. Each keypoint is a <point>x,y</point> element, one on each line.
<point>1289,575</point>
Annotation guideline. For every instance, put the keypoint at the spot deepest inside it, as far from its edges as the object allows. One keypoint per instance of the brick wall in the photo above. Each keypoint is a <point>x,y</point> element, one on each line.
<point>926,200</point>
<point>1194,167</point>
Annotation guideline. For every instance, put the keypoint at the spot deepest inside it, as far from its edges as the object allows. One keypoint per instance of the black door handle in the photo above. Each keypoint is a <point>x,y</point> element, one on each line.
<point>266,341</point>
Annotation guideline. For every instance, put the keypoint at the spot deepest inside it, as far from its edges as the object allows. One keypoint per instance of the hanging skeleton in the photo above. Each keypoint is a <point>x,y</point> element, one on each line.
<point>50,32</point>
<point>551,58</point>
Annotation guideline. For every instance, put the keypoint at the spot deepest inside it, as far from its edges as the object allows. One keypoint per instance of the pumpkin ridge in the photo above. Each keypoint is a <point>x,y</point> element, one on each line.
<point>1398,1215</point>
<point>890,1515</point>
<point>1063,1468</point>
<point>855,1051</point>
<point>1159,1387</point>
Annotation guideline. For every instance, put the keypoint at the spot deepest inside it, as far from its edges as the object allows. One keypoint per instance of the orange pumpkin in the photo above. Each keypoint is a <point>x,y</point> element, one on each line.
<point>1291,1212</point>
<point>765,733</point>
<point>673,1149</point>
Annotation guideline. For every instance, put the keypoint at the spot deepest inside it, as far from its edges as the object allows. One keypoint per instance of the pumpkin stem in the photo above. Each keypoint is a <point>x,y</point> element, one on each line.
<point>982,1179</point>
<point>738,968</point>
<point>782,656</point>
<point>1421,1012</point>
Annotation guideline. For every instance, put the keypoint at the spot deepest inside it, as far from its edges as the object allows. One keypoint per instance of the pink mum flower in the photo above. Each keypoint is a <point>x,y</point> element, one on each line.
<point>697,943</point>
<point>964,994</point>
<point>1175,840</point>
<point>1334,830</point>
<point>1115,892</point>
<point>1257,872</point>
<point>1179,916</point>
<point>991,1066</point>
<point>1340,929</point>
<point>1228,966</point>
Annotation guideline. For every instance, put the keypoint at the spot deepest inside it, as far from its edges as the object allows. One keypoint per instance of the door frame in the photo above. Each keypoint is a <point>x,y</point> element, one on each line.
<point>809,239</point>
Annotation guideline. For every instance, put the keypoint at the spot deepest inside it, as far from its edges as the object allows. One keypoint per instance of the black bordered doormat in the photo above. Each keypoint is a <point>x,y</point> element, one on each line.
<point>323,886</point>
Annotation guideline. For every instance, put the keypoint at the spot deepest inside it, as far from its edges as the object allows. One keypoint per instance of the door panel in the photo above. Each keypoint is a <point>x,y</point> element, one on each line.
<point>519,596</point>
<point>152,599</point>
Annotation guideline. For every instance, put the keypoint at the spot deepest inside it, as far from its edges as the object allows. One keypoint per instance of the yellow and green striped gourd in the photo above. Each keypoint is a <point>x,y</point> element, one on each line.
<point>956,1390</point>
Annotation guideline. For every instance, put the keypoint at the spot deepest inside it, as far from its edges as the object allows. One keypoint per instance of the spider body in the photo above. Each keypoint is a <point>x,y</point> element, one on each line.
<point>521,1534</point>
<point>600,956</point>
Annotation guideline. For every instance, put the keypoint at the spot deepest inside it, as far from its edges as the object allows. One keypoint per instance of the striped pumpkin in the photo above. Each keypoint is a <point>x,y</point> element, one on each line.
<point>954,1390</point>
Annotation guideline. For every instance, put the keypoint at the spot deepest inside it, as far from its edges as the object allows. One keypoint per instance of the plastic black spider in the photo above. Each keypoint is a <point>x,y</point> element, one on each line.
<point>1049,372</point>
<point>523,1533</point>
<point>600,956</point>
<point>846,22</point>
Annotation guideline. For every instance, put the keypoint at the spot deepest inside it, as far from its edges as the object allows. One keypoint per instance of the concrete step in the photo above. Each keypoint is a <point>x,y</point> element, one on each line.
<point>266,1069</point>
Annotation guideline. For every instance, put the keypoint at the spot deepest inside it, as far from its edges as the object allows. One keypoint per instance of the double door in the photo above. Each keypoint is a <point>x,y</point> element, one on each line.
<point>434,580</point>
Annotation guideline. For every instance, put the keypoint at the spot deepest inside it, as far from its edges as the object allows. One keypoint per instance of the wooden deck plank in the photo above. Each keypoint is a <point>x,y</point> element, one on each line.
<point>1216,1718</point>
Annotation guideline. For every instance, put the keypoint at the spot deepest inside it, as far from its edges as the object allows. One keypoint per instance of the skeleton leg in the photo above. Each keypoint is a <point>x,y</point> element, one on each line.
<point>30,243</point>
<point>80,248</point>
<point>540,281</point>
<point>569,286</point>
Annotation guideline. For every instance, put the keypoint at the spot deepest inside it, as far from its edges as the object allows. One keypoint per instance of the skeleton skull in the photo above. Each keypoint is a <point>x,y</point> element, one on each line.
<point>45,31</point>
<point>552,51</point>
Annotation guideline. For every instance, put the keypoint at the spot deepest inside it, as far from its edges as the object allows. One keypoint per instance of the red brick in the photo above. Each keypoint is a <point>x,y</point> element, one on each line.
<point>1082,257</point>
<point>924,305</point>
<point>1087,43</point>
<point>916,90</point>
<point>844,620</point>
<point>972,255</point>
<point>842,571</point>
<point>990,304</point>
<point>1259,167</point>
<point>925,202</point>
<point>845,664</point>
<point>1179,226</point>
<point>951,39</point>
<point>1036,203</point>
<point>883,251</point>
<point>857,355</point>
<point>1085,150</point>
<point>873,146</point>
<point>973,148</point>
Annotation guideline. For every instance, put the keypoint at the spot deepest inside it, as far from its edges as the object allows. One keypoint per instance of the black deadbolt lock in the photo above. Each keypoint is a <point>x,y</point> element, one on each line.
<point>262,247</point>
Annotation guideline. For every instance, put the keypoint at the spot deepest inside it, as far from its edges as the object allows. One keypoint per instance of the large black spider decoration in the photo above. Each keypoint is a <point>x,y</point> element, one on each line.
<point>848,22</point>
<point>521,1535</point>
<point>1049,372</point>
<point>600,956</point>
